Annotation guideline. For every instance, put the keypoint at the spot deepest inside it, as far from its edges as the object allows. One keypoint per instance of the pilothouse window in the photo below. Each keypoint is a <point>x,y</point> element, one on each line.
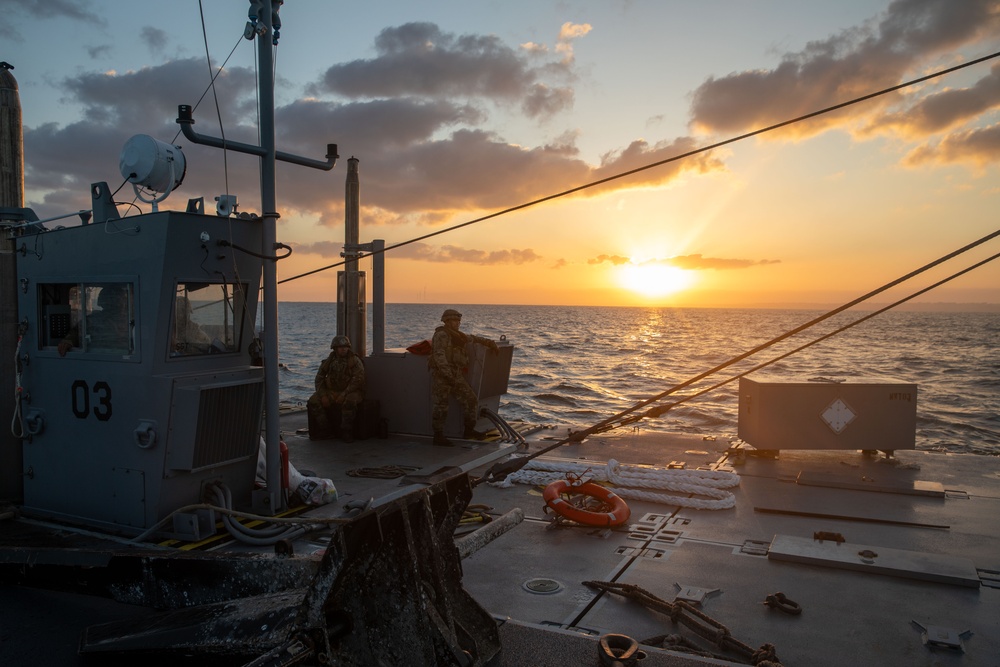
<point>207,318</point>
<point>96,318</point>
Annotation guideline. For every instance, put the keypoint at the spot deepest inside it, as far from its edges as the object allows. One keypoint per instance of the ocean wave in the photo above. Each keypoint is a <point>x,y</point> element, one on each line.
<point>560,375</point>
<point>528,377</point>
<point>576,389</point>
<point>588,414</point>
<point>554,399</point>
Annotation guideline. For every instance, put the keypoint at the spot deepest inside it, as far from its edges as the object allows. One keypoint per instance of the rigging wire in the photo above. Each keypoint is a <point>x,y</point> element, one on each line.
<point>609,422</point>
<point>659,163</point>
<point>661,410</point>
<point>215,93</point>
<point>225,153</point>
<point>500,470</point>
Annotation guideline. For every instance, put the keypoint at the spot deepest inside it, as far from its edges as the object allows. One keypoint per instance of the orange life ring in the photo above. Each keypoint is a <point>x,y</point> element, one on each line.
<point>618,515</point>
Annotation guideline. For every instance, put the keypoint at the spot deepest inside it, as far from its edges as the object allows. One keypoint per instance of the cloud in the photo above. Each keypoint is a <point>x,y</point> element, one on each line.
<point>690,262</point>
<point>425,252</point>
<point>48,9</point>
<point>568,33</point>
<point>324,248</point>
<point>155,39</point>
<point>910,37</point>
<point>617,260</point>
<point>415,114</point>
<point>407,171</point>
<point>571,31</point>
<point>450,253</point>
<point>101,51</point>
<point>697,262</point>
<point>542,100</point>
<point>65,160</point>
<point>44,9</point>
<point>640,154</point>
<point>425,158</point>
<point>979,146</point>
<point>534,48</point>
<point>422,60</point>
<point>942,110</point>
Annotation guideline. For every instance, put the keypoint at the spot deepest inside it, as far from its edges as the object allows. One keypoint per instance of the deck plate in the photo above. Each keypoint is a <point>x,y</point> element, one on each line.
<point>880,560</point>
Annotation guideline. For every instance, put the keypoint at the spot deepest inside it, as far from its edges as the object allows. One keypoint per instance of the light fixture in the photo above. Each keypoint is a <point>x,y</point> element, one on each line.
<point>153,165</point>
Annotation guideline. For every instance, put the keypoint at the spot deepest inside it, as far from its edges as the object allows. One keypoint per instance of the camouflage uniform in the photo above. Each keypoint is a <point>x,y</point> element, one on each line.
<point>340,380</point>
<point>449,362</point>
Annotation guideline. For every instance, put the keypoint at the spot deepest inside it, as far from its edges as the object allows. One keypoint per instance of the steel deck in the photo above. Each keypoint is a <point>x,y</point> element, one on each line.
<point>906,572</point>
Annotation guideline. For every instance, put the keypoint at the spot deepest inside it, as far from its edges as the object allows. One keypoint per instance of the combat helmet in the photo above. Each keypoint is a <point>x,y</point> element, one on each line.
<point>450,313</point>
<point>340,341</point>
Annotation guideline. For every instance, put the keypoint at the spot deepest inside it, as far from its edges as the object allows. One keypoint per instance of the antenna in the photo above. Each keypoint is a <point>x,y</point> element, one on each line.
<point>156,166</point>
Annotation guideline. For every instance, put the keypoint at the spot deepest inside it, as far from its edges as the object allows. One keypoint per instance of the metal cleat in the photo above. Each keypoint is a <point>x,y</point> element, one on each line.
<point>693,594</point>
<point>936,636</point>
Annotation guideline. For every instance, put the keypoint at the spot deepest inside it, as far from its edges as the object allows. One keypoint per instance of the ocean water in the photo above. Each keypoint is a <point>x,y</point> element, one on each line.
<point>575,366</point>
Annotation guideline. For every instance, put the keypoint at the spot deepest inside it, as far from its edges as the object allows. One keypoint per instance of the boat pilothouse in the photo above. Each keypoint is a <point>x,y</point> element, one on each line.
<point>140,408</point>
<point>139,381</point>
<point>136,374</point>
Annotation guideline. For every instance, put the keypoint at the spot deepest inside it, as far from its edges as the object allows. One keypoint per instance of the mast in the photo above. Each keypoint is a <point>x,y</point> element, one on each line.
<point>351,313</point>
<point>263,23</point>
<point>11,197</point>
<point>273,500</point>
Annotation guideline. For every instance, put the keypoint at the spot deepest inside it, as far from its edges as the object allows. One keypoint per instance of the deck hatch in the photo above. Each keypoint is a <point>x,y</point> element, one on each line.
<point>754,547</point>
<point>864,483</point>
<point>990,578</point>
<point>875,559</point>
<point>641,552</point>
<point>541,586</point>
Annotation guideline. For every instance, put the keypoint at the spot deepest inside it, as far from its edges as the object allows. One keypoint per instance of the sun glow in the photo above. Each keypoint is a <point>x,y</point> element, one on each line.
<point>654,280</point>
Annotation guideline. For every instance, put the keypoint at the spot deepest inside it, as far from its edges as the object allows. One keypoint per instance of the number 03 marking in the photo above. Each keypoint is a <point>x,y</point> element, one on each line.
<point>81,392</point>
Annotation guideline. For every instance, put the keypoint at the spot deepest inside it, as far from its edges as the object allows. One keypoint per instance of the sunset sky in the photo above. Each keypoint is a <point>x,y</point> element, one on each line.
<point>460,109</point>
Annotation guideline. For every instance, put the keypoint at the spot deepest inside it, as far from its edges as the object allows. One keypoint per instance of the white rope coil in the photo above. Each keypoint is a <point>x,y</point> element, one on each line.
<point>630,481</point>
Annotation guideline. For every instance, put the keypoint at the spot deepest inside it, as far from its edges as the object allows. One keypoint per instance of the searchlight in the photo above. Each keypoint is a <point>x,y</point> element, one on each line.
<point>154,166</point>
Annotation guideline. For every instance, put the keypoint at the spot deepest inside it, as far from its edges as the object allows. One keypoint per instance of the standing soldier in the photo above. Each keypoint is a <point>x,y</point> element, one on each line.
<point>448,363</point>
<point>340,387</point>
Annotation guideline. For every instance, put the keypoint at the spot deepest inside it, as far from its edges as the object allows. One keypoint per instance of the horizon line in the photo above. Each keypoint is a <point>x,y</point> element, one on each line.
<point>936,306</point>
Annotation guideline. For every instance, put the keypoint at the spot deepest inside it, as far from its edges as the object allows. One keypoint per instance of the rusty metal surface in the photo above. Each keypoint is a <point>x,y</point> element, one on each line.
<point>155,579</point>
<point>388,591</point>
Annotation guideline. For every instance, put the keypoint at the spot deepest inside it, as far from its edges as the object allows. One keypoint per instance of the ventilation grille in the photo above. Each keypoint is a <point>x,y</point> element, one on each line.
<point>228,424</point>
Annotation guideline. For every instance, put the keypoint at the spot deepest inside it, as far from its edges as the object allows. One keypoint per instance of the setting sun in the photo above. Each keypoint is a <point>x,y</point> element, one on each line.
<point>654,280</point>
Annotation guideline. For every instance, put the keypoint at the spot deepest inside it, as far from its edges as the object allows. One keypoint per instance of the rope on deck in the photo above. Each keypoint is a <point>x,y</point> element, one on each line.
<point>632,481</point>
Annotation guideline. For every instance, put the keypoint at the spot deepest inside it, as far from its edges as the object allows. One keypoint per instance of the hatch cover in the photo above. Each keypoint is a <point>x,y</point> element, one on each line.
<point>542,586</point>
<point>880,560</point>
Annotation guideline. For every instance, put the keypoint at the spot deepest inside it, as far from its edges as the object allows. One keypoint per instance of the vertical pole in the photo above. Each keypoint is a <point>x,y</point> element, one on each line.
<point>378,296</point>
<point>273,501</point>
<point>354,296</point>
<point>11,196</point>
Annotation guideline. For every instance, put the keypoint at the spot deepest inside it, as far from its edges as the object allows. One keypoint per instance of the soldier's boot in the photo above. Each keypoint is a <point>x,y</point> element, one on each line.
<point>471,433</point>
<point>442,441</point>
<point>319,428</point>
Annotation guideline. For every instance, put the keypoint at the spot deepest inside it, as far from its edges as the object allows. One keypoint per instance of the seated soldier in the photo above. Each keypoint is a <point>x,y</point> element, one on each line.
<point>340,389</point>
